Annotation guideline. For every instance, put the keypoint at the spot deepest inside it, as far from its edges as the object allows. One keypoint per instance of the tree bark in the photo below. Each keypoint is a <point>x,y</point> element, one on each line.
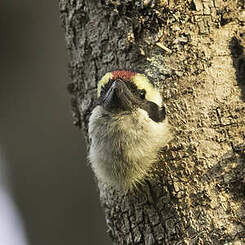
<point>194,51</point>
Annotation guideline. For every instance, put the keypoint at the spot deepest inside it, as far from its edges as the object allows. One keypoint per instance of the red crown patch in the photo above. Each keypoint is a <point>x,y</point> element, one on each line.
<point>125,75</point>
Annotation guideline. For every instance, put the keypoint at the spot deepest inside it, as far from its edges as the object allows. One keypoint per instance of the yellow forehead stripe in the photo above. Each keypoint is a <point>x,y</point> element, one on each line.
<point>104,80</point>
<point>152,93</point>
<point>141,81</point>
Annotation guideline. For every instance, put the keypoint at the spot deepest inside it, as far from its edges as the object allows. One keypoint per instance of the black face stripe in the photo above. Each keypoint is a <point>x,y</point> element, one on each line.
<point>106,87</point>
<point>156,113</point>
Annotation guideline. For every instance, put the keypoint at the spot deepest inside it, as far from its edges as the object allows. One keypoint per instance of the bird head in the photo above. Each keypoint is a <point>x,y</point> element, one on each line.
<point>126,91</point>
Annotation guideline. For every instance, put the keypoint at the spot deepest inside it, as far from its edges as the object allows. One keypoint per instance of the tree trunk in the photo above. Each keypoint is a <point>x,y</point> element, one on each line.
<point>194,51</point>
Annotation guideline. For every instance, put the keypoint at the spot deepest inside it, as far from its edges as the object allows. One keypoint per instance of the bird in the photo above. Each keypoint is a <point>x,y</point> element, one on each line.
<point>127,128</point>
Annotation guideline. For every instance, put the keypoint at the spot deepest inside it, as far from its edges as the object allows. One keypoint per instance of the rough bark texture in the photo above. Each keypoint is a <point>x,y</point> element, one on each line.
<point>194,51</point>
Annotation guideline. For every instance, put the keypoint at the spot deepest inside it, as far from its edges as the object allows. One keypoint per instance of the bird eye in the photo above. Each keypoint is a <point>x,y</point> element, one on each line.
<point>142,93</point>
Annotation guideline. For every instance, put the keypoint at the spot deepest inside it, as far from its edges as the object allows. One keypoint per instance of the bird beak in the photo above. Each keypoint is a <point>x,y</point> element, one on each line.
<point>119,97</point>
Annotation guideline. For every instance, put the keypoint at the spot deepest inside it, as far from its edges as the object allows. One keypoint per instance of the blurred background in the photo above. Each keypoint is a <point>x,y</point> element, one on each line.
<point>48,195</point>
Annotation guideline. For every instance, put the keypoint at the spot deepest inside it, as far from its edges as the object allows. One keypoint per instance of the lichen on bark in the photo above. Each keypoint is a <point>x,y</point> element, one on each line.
<point>193,50</point>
